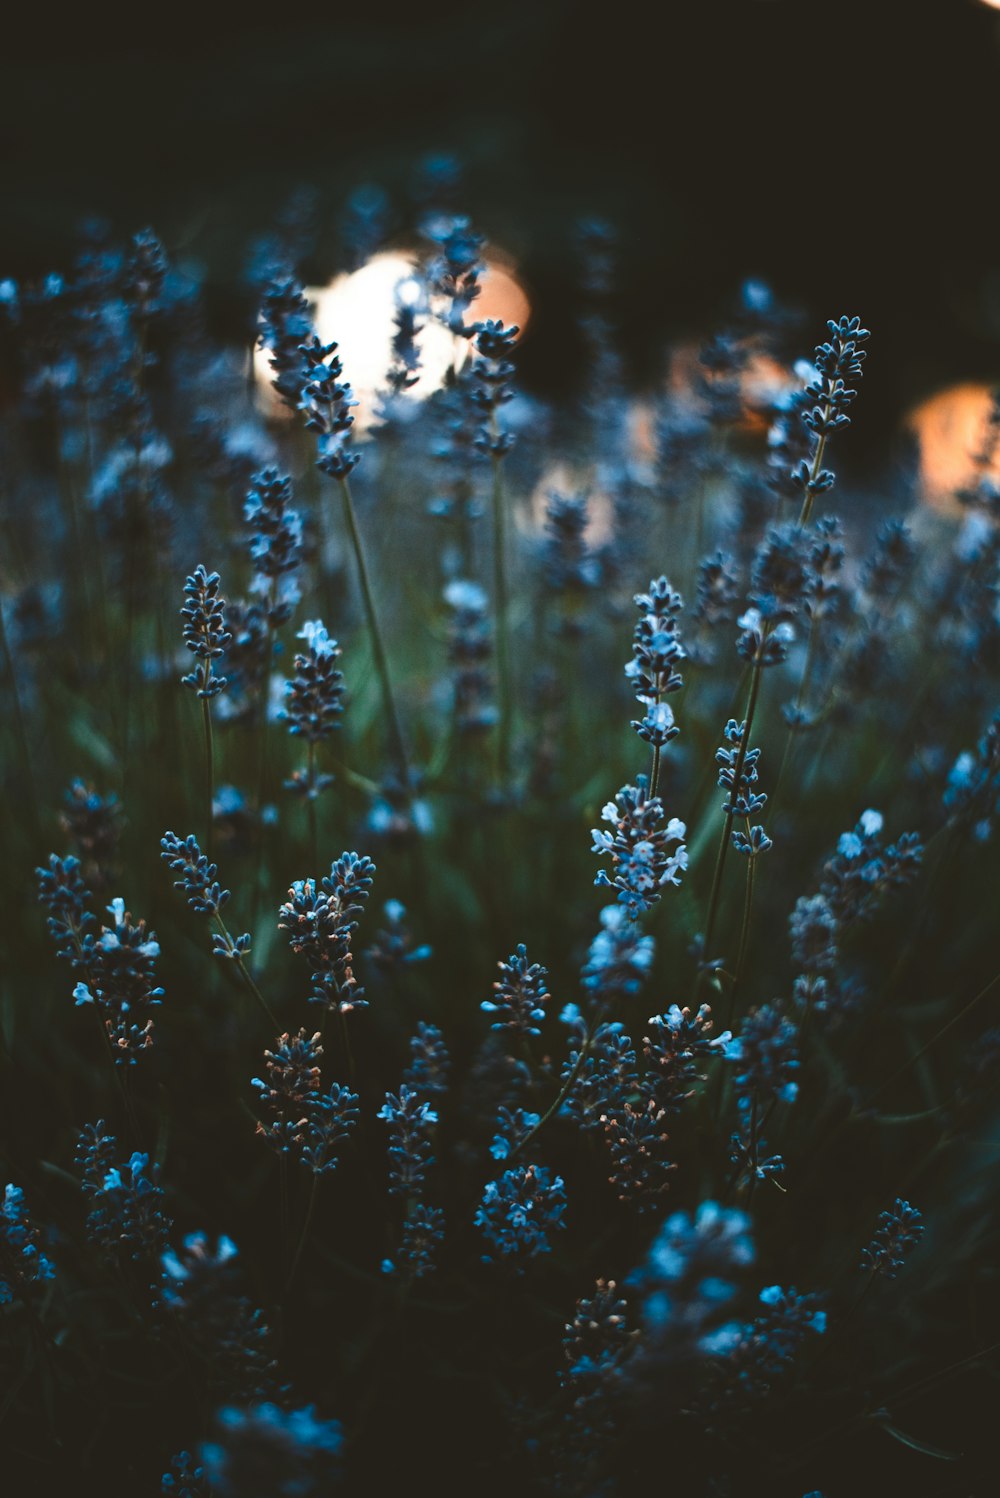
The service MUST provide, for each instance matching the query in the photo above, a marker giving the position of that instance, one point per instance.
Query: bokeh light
(950, 428)
(356, 311)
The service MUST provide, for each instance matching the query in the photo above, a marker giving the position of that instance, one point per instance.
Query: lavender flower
(619, 958)
(513, 1127)
(410, 1123)
(738, 776)
(469, 649)
(423, 1234)
(300, 1119)
(327, 402)
(518, 1212)
(637, 1139)
(276, 545)
(23, 1266)
(677, 1043)
(597, 1345)
(656, 653)
(290, 1090)
(120, 972)
(492, 372)
(285, 325)
(321, 925)
(94, 824)
(520, 993)
(126, 1217)
(269, 1452)
(186, 1478)
(454, 273)
(639, 848)
(899, 1231)
(205, 633)
(765, 1055)
(201, 1295)
(687, 1277)
(394, 947)
(427, 1072)
(315, 702)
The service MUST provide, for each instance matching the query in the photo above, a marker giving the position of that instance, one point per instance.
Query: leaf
(881, 1418)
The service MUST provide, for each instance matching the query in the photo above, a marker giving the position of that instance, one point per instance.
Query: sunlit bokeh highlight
(356, 311)
(950, 427)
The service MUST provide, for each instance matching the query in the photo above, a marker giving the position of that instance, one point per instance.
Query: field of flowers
(500, 964)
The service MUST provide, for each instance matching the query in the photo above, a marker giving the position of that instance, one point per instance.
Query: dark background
(847, 152)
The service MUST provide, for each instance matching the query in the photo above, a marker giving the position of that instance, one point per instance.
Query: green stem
(744, 932)
(311, 808)
(348, 1049)
(902, 1070)
(563, 1094)
(310, 1209)
(794, 730)
(244, 973)
(500, 604)
(378, 649)
(720, 862)
(20, 732)
(206, 713)
(814, 469)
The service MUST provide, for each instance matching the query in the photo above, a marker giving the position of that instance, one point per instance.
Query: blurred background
(843, 153)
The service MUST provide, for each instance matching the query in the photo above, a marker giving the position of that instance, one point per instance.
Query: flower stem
(720, 862)
(500, 604)
(206, 712)
(378, 649)
(306, 1225)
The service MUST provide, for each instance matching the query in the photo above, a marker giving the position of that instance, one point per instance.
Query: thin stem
(244, 973)
(563, 1094)
(348, 1049)
(794, 729)
(119, 1079)
(20, 732)
(262, 765)
(500, 604)
(901, 1071)
(744, 931)
(283, 1209)
(310, 1209)
(720, 862)
(311, 807)
(378, 649)
(206, 713)
(814, 469)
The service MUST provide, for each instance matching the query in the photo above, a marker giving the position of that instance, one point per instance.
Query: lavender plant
(428, 1181)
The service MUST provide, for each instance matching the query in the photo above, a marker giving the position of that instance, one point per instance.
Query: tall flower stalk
(206, 636)
(492, 372)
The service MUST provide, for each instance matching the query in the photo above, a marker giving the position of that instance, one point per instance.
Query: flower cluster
(900, 1229)
(314, 702)
(205, 633)
(327, 402)
(410, 1121)
(656, 653)
(120, 981)
(285, 325)
(469, 649)
(301, 1120)
(23, 1266)
(520, 995)
(321, 924)
(518, 1213)
(640, 847)
(276, 543)
(126, 1218)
